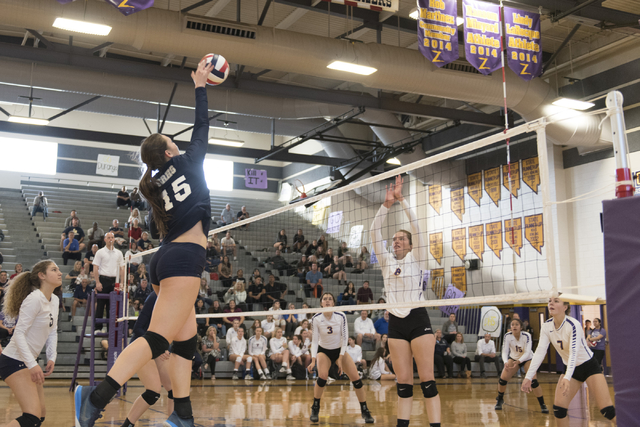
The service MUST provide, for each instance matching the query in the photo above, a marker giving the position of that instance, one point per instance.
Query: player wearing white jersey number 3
(410, 334)
(328, 346)
(566, 335)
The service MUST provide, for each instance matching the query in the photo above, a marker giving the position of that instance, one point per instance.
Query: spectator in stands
(344, 255)
(69, 220)
(17, 269)
(135, 214)
(240, 278)
(238, 295)
(258, 346)
(143, 290)
(486, 352)
(135, 232)
(597, 340)
(314, 282)
(229, 246)
(137, 201)
(337, 271)
(232, 308)
(587, 328)
(238, 354)
(227, 216)
(459, 351)
(133, 249)
(382, 325)
(363, 260)
(202, 322)
(276, 263)
(40, 204)
(280, 352)
(379, 313)
(118, 234)
(213, 256)
(379, 370)
(526, 327)
(302, 326)
(322, 242)
(141, 274)
(90, 255)
(96, 235)
(224, 272)
(299, 242)
(217, 322)
(291, 322)
(365, 294)
(204, 292)
(80, 296)
(7, 327)
(71, 248)
(450, 329)
(211, 350)
(77, 232)
(123, 198)
(144, 243)
(73, 275)
(242, 215)
(278, 318)
(327, 258)
(273, 292)
(268, 326)
(256, 293)
(232, 331)
(254, 326)
(349, 295)
(256, 273)
(355, 351)
(303, 267)
(110, 265)
(443, 356)
(312, 248)
(4, 280)
(281, 241)
(364, 329)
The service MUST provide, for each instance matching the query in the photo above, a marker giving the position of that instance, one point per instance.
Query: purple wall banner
(255, 178)
(482, 35)
(438, 31)
(127, 7)
(524, 53)
(65, 1)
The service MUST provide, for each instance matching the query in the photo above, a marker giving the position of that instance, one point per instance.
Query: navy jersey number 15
(181, 191)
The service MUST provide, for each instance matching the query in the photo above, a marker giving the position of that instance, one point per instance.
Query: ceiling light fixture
(394, 161)
(28, 120)
(574, 104)
(414, 14)
(82, 27)
(226, 142)
(352, 68)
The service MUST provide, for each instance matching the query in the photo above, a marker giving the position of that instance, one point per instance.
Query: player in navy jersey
(176, 189)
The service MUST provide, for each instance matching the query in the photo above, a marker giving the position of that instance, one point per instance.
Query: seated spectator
(349, 295)
(365, 294)
(281, 241)
(322, 242)
(227, 216)
(123, 198)
(256, 273)
(133, 249)
(450, 329)
(291, 322)
(238, 353)
(224, 272)
(298, 355)
(276, 263)
(201, 321)
(302, 326)
(17, 269)
(486, 352)
(69, 220)
(379, 313)
(77, 232)
(120, 242)
(303, 267)
(312, 248)
(258, 346)
(143, 290)
(280, 352)
(379, 370)
(382, 325)
(364, 329)
(240, 277)
(459, 351)
(314, 282)
(229, 246)
(71, 248)
(144, 243)
(213, 256)
(135, 214)
(363, 260)
(344, 255)
(137, 201)
(96, 235)
(232, 330)
(277, 318)
(90, 256)
(73, 275)
(355, 351)
(232, 308)
(216, 322)
(442, 356)
(238, 295)
(135, 232)
(80, 296)
(4, 280)
(242, 215)
(268, 326)
(40, 204)
(324, 258)
(337, 271)
(7, 327)
(273, 292)
(205, 292)
(256, 294)
(211, 350)
(299, 242)
(141, 274)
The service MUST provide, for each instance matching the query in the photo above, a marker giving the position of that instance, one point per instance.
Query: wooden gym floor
(222, 403)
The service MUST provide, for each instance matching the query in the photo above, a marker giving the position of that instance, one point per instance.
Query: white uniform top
(268, 326)
(109, 262)
(278, 345)
(568, 341)
(276, 316)
(363, 326)
(294, 350)
(37, 325)
(238, 346)
(355, 352)
(330, 333)
(231, 334)
(298, 330)
(402, 278)
(519, 350)
(378, 369)
(258, 346)
(306, 346)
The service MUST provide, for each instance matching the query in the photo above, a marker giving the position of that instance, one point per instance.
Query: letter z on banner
(127, 7)
(482, 35)
(438, 31)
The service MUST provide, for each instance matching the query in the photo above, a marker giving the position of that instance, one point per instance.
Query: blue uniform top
(184, 189)
(144, 318)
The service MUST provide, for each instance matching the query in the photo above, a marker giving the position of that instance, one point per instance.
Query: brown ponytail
(152, 155)
(22, 285)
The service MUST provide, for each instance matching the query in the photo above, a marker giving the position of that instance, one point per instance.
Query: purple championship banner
(438, 31)
(128, 7)
(482, 35)
(523, 42)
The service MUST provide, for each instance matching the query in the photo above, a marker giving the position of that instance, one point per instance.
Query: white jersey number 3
(181, 191)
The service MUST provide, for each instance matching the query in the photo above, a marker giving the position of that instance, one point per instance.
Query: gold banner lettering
(515, 178)
(457, 202)
(459, 241)
(533, 231)
(531, 173)
(435, 197)
(494, 237)
(474, 187)
(437, 282)
(513, 237)
(436, 246)
(476, 240)
(492, 184)
(459, 278)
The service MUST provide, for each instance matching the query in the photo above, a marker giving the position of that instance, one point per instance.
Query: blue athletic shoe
(86, 413)
(175, 421)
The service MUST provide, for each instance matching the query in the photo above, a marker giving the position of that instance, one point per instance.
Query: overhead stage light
(352, 68)
(574, 104)
(28, 120)
(82, 27)
(394, 161)
(226, 142)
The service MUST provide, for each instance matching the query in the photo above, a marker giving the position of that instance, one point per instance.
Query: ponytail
(152, 155)
(22, 285)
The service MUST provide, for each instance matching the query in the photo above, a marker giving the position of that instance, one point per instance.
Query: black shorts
(177, 260)
(415, 325)
(332, 354)
(584, 371)
(9, 366)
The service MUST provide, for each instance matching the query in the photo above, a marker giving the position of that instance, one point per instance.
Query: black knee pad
(609, 412)
(157, 343)
(559, 411)
(502, 382)
(405, 390)
(185, 349)
(535, 384)
(28, 420)
(170, 394)
(151, 397)
(321, 382)
(429, 389)
(357, 384)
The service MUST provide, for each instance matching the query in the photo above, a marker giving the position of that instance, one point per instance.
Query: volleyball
(220, 70)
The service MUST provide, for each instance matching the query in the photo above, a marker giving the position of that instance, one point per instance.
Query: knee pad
(170, 394)
(559, 412)
(239, 359)
(609, 412)
(535, 384)
(357, 384)
(157, 343)
(249, 359)
(185, 349)
(150, 396)
(321, 382)
(429, 389)
(405, 390)
(502, 382)
(28, 420)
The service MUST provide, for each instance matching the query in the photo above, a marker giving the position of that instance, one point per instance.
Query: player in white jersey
(30, 298)
(410, 334)
(566, 335)
(295, 352)
(516, 352)
(378, 369)
(355, 351)
(258, 346)
(328, 346)
(238, 355)
(280, 353)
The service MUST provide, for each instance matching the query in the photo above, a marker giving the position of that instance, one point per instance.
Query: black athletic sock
(363, 406)
(541, 400)
(316, 402)
(41, 420)
(500, 396)
(434, 425)
(403, 423)
(182, 407)
(127, 423)
(104, 392)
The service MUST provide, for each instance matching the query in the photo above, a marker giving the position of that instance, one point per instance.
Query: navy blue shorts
(9, 366)
(177, 260)
(416, 324)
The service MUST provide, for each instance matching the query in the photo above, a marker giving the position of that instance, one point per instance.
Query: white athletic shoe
(291, 377)
(283, 370)
(262, 377)
(235, 376)
(248, 377)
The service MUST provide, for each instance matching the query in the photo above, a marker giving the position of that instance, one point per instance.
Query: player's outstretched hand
(389, 198)
(200, 75)
(526, 386)
(397, 192)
